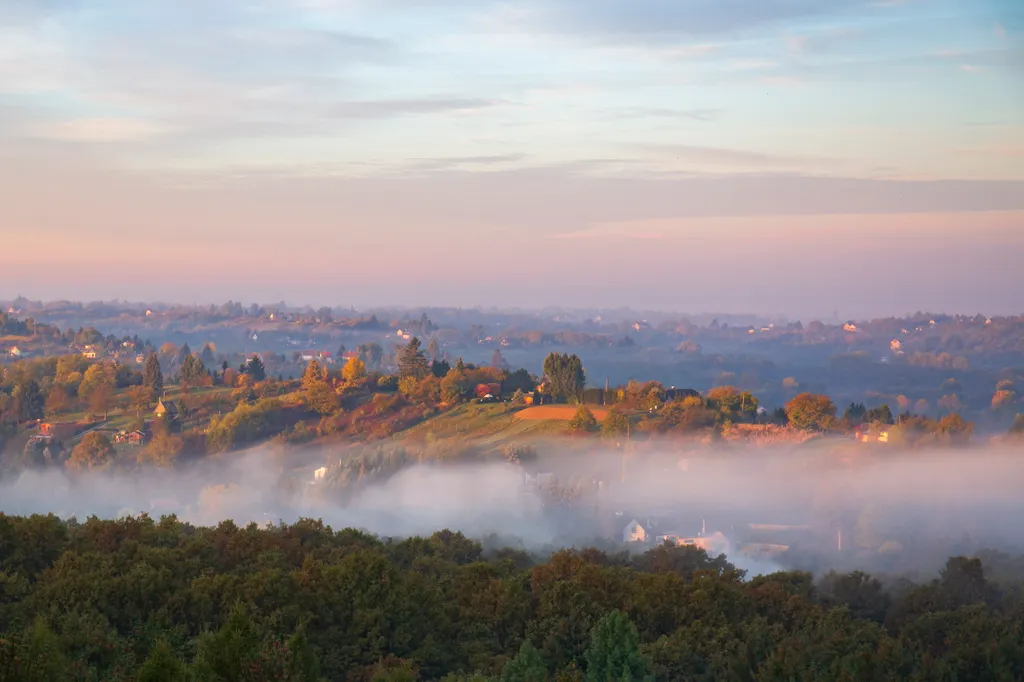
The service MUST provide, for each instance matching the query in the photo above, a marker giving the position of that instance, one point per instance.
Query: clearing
(557, 412)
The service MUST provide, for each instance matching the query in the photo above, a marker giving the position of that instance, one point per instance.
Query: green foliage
(245, 424)
(566, 376)
(192, 370)
(162, 665)
(256, 369)
(527, 666)
(153, 376)
(614, 653)
(144, 600)
(28, 401)
(412, 362)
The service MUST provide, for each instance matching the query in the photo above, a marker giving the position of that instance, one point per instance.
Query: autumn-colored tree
(811, 412)
(615, 424)
(322, 398)
(93, 452)
(57, 401)
(956, 428)
(354, 371)
(583, 421)
(314, 374)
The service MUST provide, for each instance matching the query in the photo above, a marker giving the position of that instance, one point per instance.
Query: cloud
(669, 20)
(704, 115)
(377, 109)
(724, 156)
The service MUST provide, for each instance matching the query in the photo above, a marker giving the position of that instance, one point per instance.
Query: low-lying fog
(905, 511)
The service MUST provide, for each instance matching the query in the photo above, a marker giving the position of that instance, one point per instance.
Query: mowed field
(557, 412)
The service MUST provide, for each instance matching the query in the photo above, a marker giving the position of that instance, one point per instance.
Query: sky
(768, 156)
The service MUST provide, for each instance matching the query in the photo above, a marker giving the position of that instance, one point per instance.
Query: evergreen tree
(152, 375)
(412, 362)
(566, 376)
(433, 351)
(498, 360)
(614, 652)
(256, 369)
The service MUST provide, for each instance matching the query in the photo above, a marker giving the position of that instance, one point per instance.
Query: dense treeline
(138, 599)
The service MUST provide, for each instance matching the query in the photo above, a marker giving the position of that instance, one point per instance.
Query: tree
(322, 398)
(28, 402)
(313, 375)
(163, 450)
(371, 353)
(153, 376)
(566, 376)
(354, 371)
(57, 401)
(412, 362)
(526, 666)
(162, 665)
(256, 369)
(615, 424)
(193, 372)
(583, 421)
(498, 360)
(433, 350)
(93, 452)
(614, 652)
(956, 428)
(811, 412)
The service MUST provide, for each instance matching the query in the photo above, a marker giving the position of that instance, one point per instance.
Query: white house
(14, 352)
(634, 532)
(319, 474)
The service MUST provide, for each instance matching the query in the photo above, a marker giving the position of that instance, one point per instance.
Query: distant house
(713, 544)
(319, 474)
(140, 359)
(89, 352)
(15, 352)
(166, 410)
(135, 438)
(680, 394)
(850, 327)
(634, 532)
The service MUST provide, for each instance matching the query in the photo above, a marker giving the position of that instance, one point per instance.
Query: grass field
(557, 413)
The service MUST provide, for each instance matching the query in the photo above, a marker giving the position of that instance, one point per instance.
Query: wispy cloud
(378, 109)
(724, 156)
(703, 115)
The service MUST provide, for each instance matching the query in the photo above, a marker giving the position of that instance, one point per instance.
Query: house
(135, 438)
(850, 327)
(89, 352)
(895, 345)
(140, 359)
(319, 474)
(15, 352)
(634, 532)
(713, 544)
(166, 410)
